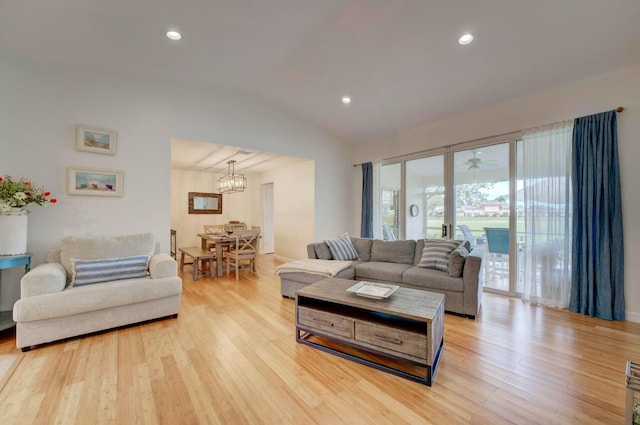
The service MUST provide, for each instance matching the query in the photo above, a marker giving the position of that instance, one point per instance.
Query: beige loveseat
(397, 262)
(51, 308)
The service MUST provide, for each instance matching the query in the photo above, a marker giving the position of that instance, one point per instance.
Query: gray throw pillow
(322, 251)
(456, 261)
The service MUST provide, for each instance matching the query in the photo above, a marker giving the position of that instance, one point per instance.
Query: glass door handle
(446, 231)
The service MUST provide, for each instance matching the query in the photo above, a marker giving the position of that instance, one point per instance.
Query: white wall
(235, 206)
(294, 206)
(40, 108)
(585, 97)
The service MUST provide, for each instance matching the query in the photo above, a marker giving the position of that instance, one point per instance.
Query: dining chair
(213, 228)
(243, 252)
(210, 229)
(234, 226)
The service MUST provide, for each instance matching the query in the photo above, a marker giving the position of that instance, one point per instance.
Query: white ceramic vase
(13, 232)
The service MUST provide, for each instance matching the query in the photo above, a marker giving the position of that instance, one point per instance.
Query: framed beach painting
(94, 182)
(97, 140)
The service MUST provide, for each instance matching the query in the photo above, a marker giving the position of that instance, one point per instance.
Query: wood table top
(405, 302)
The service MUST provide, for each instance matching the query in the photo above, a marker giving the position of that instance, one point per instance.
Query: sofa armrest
(473, 280)
(162, 265)
(46, 278)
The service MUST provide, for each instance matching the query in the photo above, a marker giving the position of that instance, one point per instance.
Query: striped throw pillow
(342, 249)
(86, 272)
(435, 254)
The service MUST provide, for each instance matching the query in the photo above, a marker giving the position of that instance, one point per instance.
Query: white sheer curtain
(546, 178)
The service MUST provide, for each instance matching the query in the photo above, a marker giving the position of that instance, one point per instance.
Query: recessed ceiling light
(465, 39)
(346, 100)
(174, 35)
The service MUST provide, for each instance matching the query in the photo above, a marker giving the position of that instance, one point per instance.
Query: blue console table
(8, 262)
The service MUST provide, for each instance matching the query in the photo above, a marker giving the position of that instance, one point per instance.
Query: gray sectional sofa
(397, 262)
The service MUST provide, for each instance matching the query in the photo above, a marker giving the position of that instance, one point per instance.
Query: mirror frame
(193, 195)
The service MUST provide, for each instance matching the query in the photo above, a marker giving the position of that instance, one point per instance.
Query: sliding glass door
(390, 186)
(424, 197)
(482, 210)
(464, 192)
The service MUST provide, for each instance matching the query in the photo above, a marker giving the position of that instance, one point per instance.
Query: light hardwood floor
(231, 358)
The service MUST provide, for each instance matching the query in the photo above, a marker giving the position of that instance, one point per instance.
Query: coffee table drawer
(400, 341)
(328, 322)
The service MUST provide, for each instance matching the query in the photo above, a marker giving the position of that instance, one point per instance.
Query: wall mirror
(205, 203)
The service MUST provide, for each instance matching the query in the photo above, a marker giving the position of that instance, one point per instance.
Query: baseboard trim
(281, 258)
(632, 317)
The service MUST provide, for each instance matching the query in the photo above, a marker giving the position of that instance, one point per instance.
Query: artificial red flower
(53, 200)
(21, 193)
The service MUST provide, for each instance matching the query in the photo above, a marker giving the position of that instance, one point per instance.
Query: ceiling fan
(474, 162)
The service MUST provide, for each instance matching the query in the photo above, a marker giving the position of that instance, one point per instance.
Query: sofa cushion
(402, 252)
(342, 248)
(380, 271)
(322, 251)
(456, 261)
(96, 247)
(418, 254)
(100, 296)
(87, 272)
(432, 279)
(435, 254)
(363, 246)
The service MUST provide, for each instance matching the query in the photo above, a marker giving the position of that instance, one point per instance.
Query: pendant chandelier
(232, 182)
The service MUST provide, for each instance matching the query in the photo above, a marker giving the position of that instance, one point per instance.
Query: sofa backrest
(98, 247)
(321, 250)
(363, 247)
(402, 252)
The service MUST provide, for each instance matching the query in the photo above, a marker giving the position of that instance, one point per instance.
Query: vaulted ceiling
(399, 60)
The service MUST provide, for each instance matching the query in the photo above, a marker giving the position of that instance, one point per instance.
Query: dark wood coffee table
(407, 328)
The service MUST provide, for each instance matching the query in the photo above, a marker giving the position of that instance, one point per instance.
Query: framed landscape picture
(94, 182)
(97, 140)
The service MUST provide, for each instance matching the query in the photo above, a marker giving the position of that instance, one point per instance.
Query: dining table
(220, 240)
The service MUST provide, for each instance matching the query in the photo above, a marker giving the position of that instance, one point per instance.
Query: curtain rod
(618, 109)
